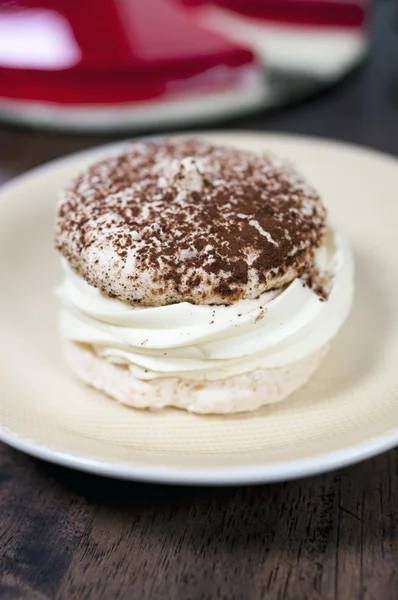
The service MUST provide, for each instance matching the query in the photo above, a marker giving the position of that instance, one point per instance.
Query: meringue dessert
(201, 277)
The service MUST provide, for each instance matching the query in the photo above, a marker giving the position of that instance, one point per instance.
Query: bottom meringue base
(239, 393)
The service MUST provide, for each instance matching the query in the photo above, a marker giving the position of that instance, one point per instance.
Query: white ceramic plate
(348, 412)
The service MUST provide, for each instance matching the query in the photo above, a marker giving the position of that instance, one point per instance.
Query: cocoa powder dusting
(185, 220)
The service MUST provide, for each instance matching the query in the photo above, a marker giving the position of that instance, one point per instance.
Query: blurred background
(76, 74)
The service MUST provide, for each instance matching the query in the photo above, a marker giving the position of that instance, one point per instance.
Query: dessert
(312, 38)
(197, 276)
(116, 64)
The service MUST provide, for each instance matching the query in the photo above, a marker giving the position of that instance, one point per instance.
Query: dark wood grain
(66, 535)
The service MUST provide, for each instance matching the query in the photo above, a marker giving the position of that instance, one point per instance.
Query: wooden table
(67, 535)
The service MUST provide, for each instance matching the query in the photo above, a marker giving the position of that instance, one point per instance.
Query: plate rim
(217, 477)
(248, 474)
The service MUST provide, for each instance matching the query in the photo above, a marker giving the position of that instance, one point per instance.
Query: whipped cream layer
(211, 342)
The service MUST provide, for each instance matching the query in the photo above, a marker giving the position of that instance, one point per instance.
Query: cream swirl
(211, 342)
